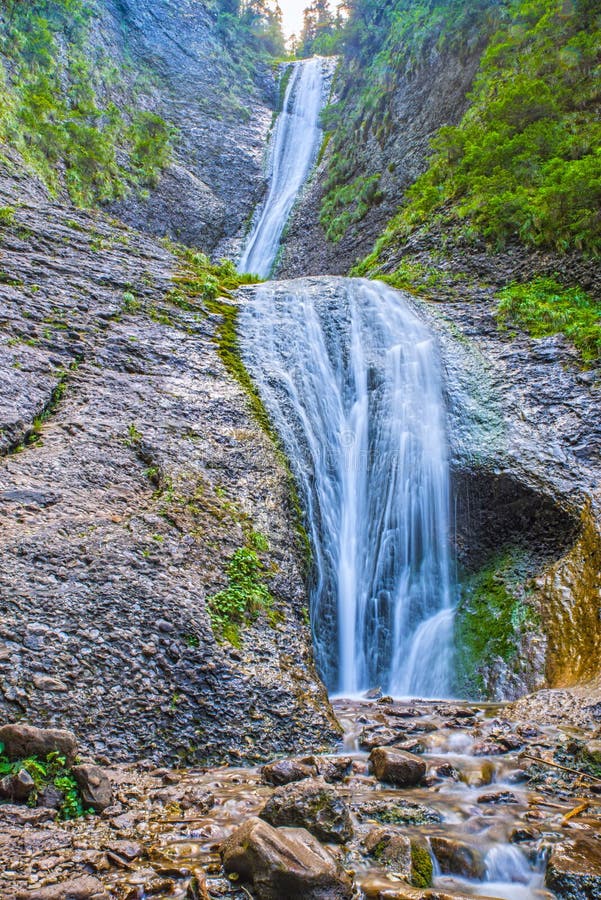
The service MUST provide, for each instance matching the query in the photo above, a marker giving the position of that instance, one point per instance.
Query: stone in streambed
(21, 741)
(574, 869)
(286, 771)
(310, 804)
(391, 849)
(331, 768)
(84, 888)
(457, 858)
(397, 767)
(284, 862)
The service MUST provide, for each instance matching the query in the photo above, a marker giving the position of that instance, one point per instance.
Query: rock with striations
(21, 741)
(286, 771)
(284, 862)
(310, 804)
(397, 766)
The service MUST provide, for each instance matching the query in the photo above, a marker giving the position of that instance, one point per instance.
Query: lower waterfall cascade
(354, 390)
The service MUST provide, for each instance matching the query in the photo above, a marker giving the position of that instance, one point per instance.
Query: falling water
(350, 377)
(294, 147)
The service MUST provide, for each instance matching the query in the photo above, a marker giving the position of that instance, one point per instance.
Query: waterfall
(350, 377)
(293, 150)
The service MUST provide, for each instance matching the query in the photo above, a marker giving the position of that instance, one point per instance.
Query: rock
(17, 787)
(488, 748)
(391, 849)
(95, 786)
(286, 771)
(310, 804)
(45, 683)
(331, 768)
(574, 869)
(284, 863)
(22, 815)
(593, 751)
(84, 888)
(21, 741)
(396, 812)
(457, 858)
(498, 797)
(397, 767)
(50, 797)
(520, 834)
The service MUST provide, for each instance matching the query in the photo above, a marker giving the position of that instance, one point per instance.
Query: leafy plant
(245, 596)
(52, 770)
(544, 307)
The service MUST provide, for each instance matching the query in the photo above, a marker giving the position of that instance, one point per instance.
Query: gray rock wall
(141, 473)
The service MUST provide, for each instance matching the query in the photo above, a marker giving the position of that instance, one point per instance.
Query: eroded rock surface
(132, 471)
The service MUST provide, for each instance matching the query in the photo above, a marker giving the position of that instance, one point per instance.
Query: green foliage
(422, 867)
(246, 594)
(56, 112)
(381, 43)
(525, 162)
(7, 216)
(543, 307)
(489, 622)
(50, 771)
(346, 204)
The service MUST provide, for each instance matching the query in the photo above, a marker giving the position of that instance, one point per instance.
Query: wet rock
(574, 869)
(593, 751)
(21, 741)
(22, 815)
(446, 770)
(95, 787)
(284, 862)
(286, 771)
(17, 787)
(521, 834)
(331, 768)
(310, 804)
(391, 849)
(488, 748)
(85, 888)
(498, 797)
(397, 767)
(396, 812)
(457, 858)
(371, 738)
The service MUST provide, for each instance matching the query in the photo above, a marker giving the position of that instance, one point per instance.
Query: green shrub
(543, 307)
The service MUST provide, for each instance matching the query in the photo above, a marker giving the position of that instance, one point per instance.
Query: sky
(293, 15)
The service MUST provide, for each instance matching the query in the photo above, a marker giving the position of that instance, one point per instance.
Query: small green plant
(246, 595)
(130, 304)
(52, 770)
(192, 640)
(7, 216)
(134, 436)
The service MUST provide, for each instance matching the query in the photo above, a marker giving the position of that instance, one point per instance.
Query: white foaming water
(350, 378)
(293, 150)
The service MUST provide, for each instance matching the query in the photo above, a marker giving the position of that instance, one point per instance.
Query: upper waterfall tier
(350, 377)
(292, 153)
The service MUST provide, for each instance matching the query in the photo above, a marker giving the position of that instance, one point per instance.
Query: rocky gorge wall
(132, 470)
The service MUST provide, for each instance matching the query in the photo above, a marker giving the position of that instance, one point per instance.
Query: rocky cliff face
(425, 99)
(131, 471)
(221, 110)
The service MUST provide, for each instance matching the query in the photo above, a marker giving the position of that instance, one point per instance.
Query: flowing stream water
(351, 380)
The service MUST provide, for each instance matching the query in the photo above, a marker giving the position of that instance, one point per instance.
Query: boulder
(17, 787)
(95, 786)
(397, 766)
(391, 849)
(457, 858)
(574, 869)
(284, 862)
(286, 771)
(331, 768)
(21, 741)
(310, 804)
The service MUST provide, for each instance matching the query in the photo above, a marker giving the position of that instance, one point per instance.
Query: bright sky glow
(292, 11)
